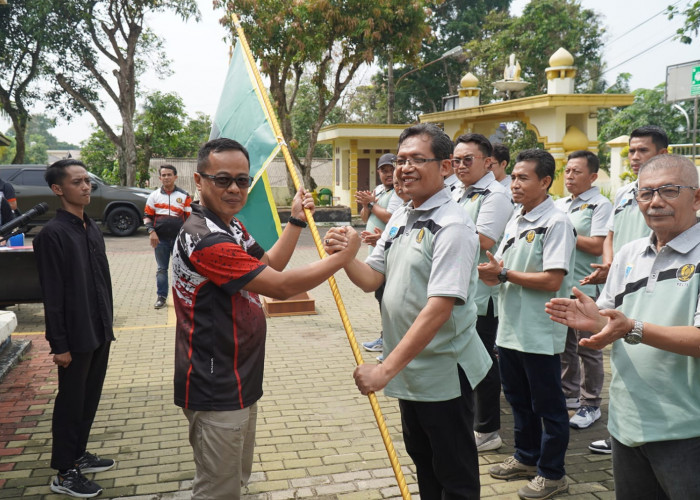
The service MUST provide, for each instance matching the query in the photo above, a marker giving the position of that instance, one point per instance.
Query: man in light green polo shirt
(649, 311)
(533, 260)
(433, 357)
(582, 372)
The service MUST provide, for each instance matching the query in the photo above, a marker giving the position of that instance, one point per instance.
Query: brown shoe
(512, 469)
(540, 488)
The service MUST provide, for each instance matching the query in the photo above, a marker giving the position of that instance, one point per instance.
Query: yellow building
(562, 121)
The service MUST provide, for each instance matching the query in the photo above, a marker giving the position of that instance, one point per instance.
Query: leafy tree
(195, 133)
(454, 23)
(327, 41)
(112, 32)
(100, 156)
(691, 25)
(28, 29)
(543, 27)
(649, 108)
(158, 128)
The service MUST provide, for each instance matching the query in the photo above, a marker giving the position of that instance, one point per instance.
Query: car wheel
(123, 221)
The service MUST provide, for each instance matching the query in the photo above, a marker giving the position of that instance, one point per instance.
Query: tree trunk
(19, 123)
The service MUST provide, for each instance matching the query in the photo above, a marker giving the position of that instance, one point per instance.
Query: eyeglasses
(466, 161)
(224, 181)
(667, 192)
(414, 162)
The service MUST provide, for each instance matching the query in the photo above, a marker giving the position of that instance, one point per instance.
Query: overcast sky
(200, 57)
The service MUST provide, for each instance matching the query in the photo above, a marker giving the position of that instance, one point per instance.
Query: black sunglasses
(224, 181)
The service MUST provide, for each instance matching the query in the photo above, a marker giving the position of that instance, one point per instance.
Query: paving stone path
(317, 436)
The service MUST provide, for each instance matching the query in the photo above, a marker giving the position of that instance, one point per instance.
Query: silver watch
(634, 336)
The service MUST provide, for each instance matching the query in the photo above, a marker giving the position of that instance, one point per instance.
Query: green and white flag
(242, 116)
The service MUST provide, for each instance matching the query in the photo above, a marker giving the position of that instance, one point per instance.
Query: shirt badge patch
(584, 206)
(685, 273)
(628, 270)
(530, 236)
(475, 197)
(393, 231)
(421, 233)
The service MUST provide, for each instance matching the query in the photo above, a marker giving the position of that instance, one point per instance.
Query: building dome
(468, 81)
(561, 57)
(574, 139)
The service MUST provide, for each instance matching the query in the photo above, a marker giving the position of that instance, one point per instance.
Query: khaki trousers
(222, 445)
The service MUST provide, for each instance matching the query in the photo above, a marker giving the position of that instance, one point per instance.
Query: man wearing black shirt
(77, 295)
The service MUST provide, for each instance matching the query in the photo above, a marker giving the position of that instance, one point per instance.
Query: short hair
(56, 172)
(544, 162)
(440, 142)
(501, 153)
(169, 167)
(218, 146)
(591, 159)
(688, 172)
(657, 134)
(481, 142)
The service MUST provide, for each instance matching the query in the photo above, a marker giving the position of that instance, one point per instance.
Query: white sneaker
(584, 417)
(487, 441)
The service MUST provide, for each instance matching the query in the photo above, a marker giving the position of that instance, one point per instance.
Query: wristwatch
(503, 275)
(370, 205)
(634, 336)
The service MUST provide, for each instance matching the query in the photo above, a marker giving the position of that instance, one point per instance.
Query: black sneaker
(160, 303)
(74, 484)
(92, 463)
(602, 446)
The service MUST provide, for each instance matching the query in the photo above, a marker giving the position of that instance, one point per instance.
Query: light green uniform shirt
(541, 240)
(431, 251)
(490, 207)
(655, 394)
(589, 212)
(627, 221)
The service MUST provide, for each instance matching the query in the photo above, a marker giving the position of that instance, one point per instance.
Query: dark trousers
(487, 395)
(79, 391)
(659, 470)
(532, 386)
(439, 439)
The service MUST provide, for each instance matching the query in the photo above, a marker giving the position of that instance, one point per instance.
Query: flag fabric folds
(241, 115)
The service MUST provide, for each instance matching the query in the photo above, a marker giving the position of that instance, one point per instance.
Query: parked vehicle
(119, 208)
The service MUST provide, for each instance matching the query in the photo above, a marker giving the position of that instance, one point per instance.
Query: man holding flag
(218, 272)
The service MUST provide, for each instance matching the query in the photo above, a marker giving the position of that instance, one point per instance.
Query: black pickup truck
(119, 208)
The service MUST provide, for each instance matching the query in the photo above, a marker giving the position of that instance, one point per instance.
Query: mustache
(656, 213)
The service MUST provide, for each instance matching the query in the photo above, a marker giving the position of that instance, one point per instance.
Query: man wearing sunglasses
(218, 272)
(490, 207)
(649, 311)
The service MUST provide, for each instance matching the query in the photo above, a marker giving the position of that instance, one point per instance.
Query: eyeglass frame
(658, 191)
(414, 162)
(231, 180)
(456, 162)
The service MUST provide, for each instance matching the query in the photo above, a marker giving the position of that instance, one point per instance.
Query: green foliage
(28, 29)
(100, 156)
(326, 41)
(109, 48)
(691, 24)
(454, 23)
(303, 116)
(543, 27)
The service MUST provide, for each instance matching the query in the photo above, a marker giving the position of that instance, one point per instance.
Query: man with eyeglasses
(489, 206)
(534, 260)
(427, 257)
(218, 272)
(649, 311)
(626, 222)
(166, 210)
